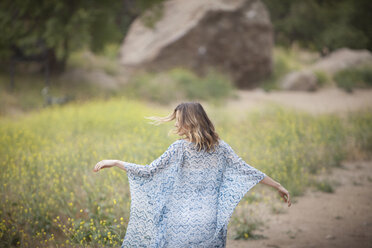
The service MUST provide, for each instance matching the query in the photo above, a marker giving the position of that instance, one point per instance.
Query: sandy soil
(317, 219)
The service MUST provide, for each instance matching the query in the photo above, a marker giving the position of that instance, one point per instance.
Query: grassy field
(50, 197)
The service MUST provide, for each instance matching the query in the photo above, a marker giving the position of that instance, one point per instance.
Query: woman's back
(186, 197)
(193, 217)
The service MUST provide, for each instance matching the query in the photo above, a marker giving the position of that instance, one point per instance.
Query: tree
(322, 25)
(51, 29)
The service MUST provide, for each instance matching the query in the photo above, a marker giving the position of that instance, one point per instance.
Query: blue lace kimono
(185, 198)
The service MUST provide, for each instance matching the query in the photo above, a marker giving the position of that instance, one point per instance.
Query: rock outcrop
(342, 59)
(306, 79)
(231, 36)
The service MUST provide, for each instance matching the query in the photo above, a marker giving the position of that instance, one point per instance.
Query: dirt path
(327, 100)
(342, 219)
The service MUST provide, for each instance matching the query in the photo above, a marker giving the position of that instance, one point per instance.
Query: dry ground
(327, 100)
(342, 219)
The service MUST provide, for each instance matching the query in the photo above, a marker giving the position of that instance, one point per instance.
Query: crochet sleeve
(150, 187)
(237, 179)
(240, 171)
(147, 171)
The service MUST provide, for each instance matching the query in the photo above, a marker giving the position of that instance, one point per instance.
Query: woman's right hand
(285, 195)
(104, 164)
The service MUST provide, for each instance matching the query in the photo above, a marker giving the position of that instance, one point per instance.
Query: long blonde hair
(193, 123)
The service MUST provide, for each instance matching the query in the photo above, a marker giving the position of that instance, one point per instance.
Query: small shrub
(324, 186)
(153, 15)
(322, 77)
(360, 77)
(245, 228)
(277, 209)
(111, 51)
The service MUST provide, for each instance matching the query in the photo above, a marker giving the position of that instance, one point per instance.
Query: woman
(186, 197)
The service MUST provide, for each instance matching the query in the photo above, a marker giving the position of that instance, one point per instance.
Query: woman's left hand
(104, 164)
(285, 195)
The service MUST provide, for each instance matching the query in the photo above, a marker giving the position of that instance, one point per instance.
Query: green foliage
(64, 27)
(359, 129)
(154, 14)
(110, 51)
(360, 77)
(322, 78)
(322, 24)
(299, 149)
(324, 186)
(27, 96)
(88, 61)
(285, 60)
(179, 83)
(245, 228)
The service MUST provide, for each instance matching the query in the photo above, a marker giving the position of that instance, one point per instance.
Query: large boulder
(305, 80)
(232, 36)
(342, 59)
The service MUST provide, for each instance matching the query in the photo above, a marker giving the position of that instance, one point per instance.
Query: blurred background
(91, 49)
(286, 83)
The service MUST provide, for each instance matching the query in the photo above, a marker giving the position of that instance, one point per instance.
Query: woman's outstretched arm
(120, 164)
(282, 191)
(108, 163)
(143, 170)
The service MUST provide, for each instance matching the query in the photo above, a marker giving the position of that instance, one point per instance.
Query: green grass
(47, 157)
